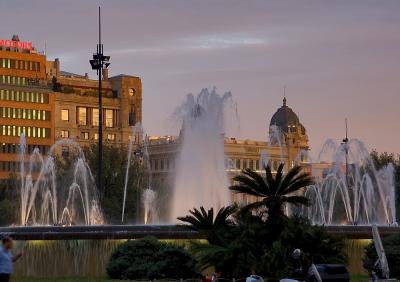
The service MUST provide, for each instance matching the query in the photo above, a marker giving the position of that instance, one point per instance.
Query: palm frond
(247, 184)
(199, 219)
(291, 174)
(239, 189)
(278, 177)
(224, 214)
(258, 179)
(269, 178)
(302, 180)
(253, 181)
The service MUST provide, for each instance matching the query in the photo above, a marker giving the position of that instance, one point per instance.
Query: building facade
(77, 113)
(288, 139)
(26, 103)
(45, 104)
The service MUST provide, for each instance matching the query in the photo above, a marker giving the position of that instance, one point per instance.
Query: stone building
(288, 139)
(45, 103)
(76, 106)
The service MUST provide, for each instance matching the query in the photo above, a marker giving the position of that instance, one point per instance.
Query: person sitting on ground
(7, 259)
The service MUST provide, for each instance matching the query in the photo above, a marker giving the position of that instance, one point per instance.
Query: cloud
(197, 43)
(223, 41)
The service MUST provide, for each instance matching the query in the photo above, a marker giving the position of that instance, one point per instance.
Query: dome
(285, 117)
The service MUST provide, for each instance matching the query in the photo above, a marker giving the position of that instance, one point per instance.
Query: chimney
(105, 74)
(57, 66)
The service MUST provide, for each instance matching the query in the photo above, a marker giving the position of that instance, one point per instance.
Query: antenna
(99, 25)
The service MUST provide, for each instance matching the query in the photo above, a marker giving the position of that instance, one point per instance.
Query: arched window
(132, 92)
(132, 116)
(132, 112)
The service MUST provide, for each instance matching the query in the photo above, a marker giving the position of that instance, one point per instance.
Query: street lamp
(98, 63)
(346, 151)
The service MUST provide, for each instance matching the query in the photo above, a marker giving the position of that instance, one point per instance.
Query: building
(76, 106)
(46, 104)
(288, 139)
(26, 102)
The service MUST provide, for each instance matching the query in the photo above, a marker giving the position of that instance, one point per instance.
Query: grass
(354, 278)
(78, 279)
(360, 278)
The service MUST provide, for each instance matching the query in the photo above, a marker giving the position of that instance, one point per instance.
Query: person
(254, 278)
(7, 259)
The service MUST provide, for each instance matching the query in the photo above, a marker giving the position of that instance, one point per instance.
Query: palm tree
(273, 192)
(214, 229)
(227, 251)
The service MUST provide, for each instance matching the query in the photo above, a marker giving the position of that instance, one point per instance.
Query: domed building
(287, 142)
(286, 130)
(286, 119)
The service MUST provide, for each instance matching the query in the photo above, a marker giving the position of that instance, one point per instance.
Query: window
(132, 116)
(82, 116)
(111, 137)
(95, 117)
(65, 151)
(64, 134)
(14, 130)
(22, 96)
(85, 135)
(65, 115)
(96, 136)
(109, 118)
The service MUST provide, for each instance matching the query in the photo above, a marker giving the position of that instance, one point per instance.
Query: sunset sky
(337, 58)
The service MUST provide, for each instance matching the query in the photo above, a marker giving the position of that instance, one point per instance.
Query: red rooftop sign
(16, 44)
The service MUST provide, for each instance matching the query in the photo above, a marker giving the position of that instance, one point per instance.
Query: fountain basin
(110, 232)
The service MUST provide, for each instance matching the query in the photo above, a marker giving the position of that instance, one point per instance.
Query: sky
(338, 59)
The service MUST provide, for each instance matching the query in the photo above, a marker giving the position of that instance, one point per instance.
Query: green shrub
(392, 249)
(68, 90)
(149, 258)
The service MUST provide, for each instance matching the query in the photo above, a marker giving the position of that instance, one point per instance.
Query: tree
(115, 160)
(148, 258)
(241, 240)
(229, 256)
(273, 191)
(391, 246)
(9, 190)
(214, 229)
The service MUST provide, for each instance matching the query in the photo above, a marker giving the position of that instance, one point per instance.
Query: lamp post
(98, 63)
(346, 150)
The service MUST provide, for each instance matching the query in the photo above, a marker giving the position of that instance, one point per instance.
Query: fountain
(149, 205)
(276, 139)
(349, 189)
(149, 196)
(201, 179)
(51, 195)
